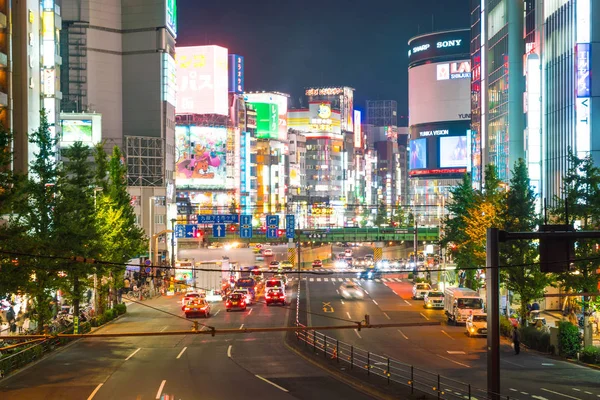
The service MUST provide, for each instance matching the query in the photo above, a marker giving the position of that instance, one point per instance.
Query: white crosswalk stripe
(377, 280)
(311, 279)
(326, 279)
(318, 279)
(397, 280)
(340, 280)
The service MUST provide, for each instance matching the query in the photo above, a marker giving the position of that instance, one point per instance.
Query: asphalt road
(444, 350)
(179, 367)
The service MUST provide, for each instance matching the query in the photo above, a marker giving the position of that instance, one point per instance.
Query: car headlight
(359, 293)
(370, 274)
(344, 293)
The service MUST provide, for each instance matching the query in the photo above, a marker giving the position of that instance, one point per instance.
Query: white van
(460, 303)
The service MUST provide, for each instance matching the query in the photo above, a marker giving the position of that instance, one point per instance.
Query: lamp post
(150, 228)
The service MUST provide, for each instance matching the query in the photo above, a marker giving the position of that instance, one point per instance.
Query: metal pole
(469, 391)
(412, 379)
(351, 357)
(337, 350)
(439, 389)
(173, 243)
(493, 313)
(314, 341)
(388, 371)
(416, 248)
(368, 363)
(325, 347)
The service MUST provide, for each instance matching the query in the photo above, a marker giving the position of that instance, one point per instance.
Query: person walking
(516, 337)
(11, 318)
(19, 322)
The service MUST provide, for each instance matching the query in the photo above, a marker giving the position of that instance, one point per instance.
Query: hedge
(535, 338)
(506, 327)
(108, 315)
(590, 355)
(569, 339)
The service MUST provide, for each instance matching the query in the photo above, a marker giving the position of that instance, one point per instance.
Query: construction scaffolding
(145, 161)
(382, 113)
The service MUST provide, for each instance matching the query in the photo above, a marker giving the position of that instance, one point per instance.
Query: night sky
(292, 44)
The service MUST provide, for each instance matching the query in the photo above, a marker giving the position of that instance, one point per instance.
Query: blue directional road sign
(246, 226)
(218, 218)
(190, 231)
(290, 224)
(219, 230)
(179, 231)
(272, 226)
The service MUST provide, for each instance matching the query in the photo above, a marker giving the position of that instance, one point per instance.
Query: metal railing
(390, 370)
(18, 360)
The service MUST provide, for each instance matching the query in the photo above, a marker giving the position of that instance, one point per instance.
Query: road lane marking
(525, 393)
(272, 383)
(133, 354)
(318, 279)
(311, 279)
(586, 392)
(325, 279)
(337, 291)
(357, 334)
(375, 302)
(333, 281)
(366, 291)
(446, 333)
(397, 280)
(164, 329)
(218, 311)
(455, 362)
(406, 301)
(340, 279)
(538, 397)
(510, 362)
(514, 390)
(424, 316)
(229, 351)
(560, 394)
(547, 364)
(378, 280)
(342, 301)
(402, 333)
(348, 314)
(95, 391)
(160, 389)
(577, 390)
(181, 352)
(456, 352)
(249, 312)
(387, 316)
(241, 326)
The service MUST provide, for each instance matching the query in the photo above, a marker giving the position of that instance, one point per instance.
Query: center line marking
(249, 312)
(445, 333)
(181, 353)
(164, 329)
(348, 314)
(133, 354)
(403, 335)
(406, 301)
(455, 352)
(455, 362)
(375, 302)
(272, 383)
(424, 316)
(95, 391)
(560, 394)
(357, 334)
(217, 312)
(160, 389)
(387, 316)
(229, 350)
(241, 326)
(366, 292)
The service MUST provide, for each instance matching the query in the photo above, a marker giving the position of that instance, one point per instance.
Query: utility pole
(416, 248)
(492, 280)
(173, 242)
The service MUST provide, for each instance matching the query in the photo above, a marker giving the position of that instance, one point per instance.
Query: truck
(210, 276)
(460, 303)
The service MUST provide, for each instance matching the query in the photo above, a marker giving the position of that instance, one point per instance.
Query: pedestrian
(516, 337)
(19, 322)
(11, 318)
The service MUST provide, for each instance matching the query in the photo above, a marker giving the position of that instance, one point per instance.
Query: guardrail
(15, 361)
(390, 370)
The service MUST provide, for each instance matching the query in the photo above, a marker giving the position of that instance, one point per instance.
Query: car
(351, 290)
(476, 325)
(348, 252)
(360, 262)
(188, 297)
(259, 258)
(286, 265)
(197, 307)
(274, 283)
(369, 273)
(267, 252)
(340, 264)
(235, 301)
(274, 265)
(275, 295)
(433, 299)
(281, 277)
(341, 256)
(420, 290)
(246, 293)
(317, 263)
(383, 264)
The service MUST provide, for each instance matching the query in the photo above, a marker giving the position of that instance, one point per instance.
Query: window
(159, 219)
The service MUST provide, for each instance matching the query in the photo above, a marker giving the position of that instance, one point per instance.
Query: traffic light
(232, 228)
(198, 234)
(279, 232)
(556, 253)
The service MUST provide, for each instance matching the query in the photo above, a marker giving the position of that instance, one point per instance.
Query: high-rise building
(118, 60)
(439, 105)
(31, 66)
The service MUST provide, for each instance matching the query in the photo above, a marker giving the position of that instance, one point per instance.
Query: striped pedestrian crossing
(333, 279)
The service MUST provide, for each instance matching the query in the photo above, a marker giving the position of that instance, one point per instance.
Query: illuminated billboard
(267, 120)
(80, 127)
(443, 44)
(202, 81)
(236, 74)
(347, 110)
(295, 180)
(454, 70)
(281, 100)
(418, 154)
(453, 151)
(583, 70)
(171, 16)
(357, 130)
(201, 154)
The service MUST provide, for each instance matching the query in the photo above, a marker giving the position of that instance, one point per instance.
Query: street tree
(518, 214)
(381, 218)
(399, 216)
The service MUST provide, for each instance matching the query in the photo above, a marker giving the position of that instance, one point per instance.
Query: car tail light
(268, 296)
(228, 303)
(242, 303)
(187, 308)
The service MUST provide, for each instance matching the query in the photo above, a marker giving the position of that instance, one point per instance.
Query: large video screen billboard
(418, 154)
(83, 127)
(281, 101)
(201, 154)
(202, 80)
(453, 151)
(439, 92)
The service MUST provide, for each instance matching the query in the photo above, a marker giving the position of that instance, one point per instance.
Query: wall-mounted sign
(436, 45)
(453, 70)
(583, 68)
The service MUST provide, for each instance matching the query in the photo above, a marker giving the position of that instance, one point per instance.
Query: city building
(439, 104)
(118, 61)
(327, 123)
(31, 63)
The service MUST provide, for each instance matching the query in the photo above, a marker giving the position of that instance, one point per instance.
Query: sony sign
(449, 43)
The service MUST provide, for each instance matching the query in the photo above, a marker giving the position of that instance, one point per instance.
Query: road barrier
(390, 370)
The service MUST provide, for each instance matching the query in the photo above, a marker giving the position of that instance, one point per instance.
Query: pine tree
(519, 215)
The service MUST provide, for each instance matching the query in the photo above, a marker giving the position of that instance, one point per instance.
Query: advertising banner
(171, 16)
(418, 154)
(77, 130)
(236, 74)
(453, 151)
(295, 175)
(202, 81)
(281, 101)
(347, 110)
(201, 154)
(442, 44)
(583, 70)
(267, 120)
(358, 139)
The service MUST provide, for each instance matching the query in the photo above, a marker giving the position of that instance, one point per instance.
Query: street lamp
(150, 228)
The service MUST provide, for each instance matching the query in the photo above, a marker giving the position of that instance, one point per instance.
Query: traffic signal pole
(492, 280)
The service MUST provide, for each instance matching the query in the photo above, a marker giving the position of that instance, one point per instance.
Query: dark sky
(292, 44)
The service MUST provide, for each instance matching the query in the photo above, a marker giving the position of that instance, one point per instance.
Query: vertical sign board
(583, 92)
(219, 230)
(290, 225)
(246, 226)
(171, 16)
(179, 231)
(272, 226)
(236, 74)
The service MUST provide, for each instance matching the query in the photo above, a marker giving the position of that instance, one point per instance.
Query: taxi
(197, 307)
(235, 301)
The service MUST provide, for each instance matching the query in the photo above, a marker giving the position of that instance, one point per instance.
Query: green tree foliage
(519, 215)
(382, 215)
(399, 216)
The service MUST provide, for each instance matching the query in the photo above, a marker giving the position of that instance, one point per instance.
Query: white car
(348, 252)
(477, 325)
(339, 264)
(274, 265)
(246, 293)
(433, 299)
(267, 252)
(350, 290)
(420, 290)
